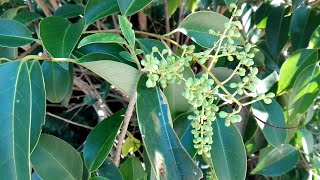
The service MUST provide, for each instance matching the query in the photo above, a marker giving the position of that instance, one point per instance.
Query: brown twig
(68, 121)
(167, 18)
(127, 117)
(54, 4)
(33, 47)
(314, 3)
(44, 8)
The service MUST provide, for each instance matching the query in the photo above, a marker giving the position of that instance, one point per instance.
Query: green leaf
(277, 29)
(98, 178)
(198, 24)
(173, 92)
(169, 160)
(57, 81)
(100, 140)
(315, 39)
(54, 159)
(131, 144)
(126, 55)
(126, 28)
(132, 169)
(228, 2)
(67, 97)
(182, 127)
(10, 13)
(109, 170)
(305, 91)
(147, 44)
(102, 38)
(38, 107)
(307, 140)
(59, 36)
(14, 34)
(97, 57)
(10, 53)
(267, 83)
(121, 75)
(15, 118)
(129, 7)
(293, 66)
(27, 17)
(69, 11)
(173, 6)
(277, 161)
(304, 21)
(97, 9)
(271, 114)
(228, 154)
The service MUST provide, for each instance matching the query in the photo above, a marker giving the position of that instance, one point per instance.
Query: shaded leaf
(109, 170)
(307, 140)
(102, 38)
(69, 11)
(126, 28)
(97, 9)
(132, 169)
(26, 17)
(129, 7)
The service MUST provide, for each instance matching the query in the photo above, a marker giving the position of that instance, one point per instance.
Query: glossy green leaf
(102, 38)
(100, 140)
(121, 75)
(54, 159)
(26, 17)
(99, 178)
(198, 24)
(304, 21)
(38, 107)
(169, 160)
(277, 30)
(127, 31)
(59, 36)
(97, 57)
(57, 80)
(97, 9)
(109, 170)
(296, 4)
(126, 55)
(132, 169)
(173, 92)
(277, 161)
(67, 97)
(267, 83)
(129, 7)
(182, 127)
(9, 14)
(9, 53)
(307, 140)
(147, 44)
(14, 34)
(173, 6)
(15, 118)
(69, 11)
(315, 39)
(305, 91)
(271, 114)
(228, 154)
(293, 66)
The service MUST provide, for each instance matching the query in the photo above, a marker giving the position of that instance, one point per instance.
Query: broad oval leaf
(38, 107)
(198, 24)
(102, 38)
(173, 6)
(69, 11)
(60, 36)
(127, 31)
(307, 140)
(121, 75)
(315, 39)
(26, 17)
(100, 141)
(97, 9)
(109, 170)
(132, 169)
(277, 161)
(14, 34)
(129, 7)
(228, 153)
(169, 160)
(15, 118)
(147, 44)
(57, 80)
(271, 114)
(277, 30)
(54, 159)
(293, 66)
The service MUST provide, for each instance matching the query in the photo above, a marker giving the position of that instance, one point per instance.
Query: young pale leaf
(121, 75)
(57, 81)
(132, 169)
(305, 91)
(59, 36)
(315, 39)
(97, 9)
(14, 34)
(100, 140)
(131, 144)
(10, 13)
(173, 6)
(277, 30)
(126, 28)
(38, 108)
(26, 17)
(169, 160)
(198, 24)
(277, 161)
(15, 118)
(293, 66)
(69, 11)
(129, 7)
(102, 38)
(54, 159)
(109, 170)
(271, 114)
(228, 163)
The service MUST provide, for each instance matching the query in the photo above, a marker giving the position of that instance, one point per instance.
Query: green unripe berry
(210, 82)
(223, 114)
(250, 55)
(245, 79)
(149, 83)
(231, 32)
(267, 100)
(230, 40)
(270, 95)
(238, 13)
(168, 76)
(202, 60)
(247, 47)
(233, 6)
(227, 123)
(184, 46)
(227, 25)
(240, 84)
(233, 85)
(250, 62)
(230, 58)
(211, 31)
(155, 77)
(155, 49)
(254, 71)
(240, 91)
(233, 119)
(261, 96)
(189, 82)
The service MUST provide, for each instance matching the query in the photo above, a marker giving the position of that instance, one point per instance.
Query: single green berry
(149, 83)
(231, 32)
(155, 49)
(223, 114)
(227, 25)
(238, 13)
(233, 6)
(233, 85)
(230, 58)
(143, 62)
(270, 95)
(267, 100)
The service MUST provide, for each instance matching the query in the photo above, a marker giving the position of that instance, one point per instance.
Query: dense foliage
(162, 89)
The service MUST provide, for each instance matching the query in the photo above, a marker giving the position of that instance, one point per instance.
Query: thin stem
(68, 121)
(232, 74)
